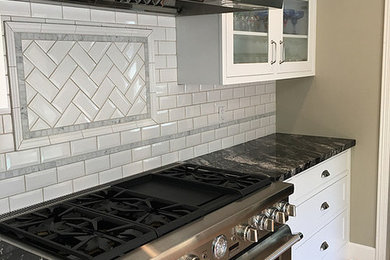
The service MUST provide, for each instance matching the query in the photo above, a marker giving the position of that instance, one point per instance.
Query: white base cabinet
(322, 197)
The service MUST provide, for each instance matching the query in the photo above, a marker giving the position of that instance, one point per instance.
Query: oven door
(277, 246)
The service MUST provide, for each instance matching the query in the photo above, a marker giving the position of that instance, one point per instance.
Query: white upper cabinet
(248, 46)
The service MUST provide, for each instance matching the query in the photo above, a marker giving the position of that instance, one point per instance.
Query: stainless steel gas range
(181, 212)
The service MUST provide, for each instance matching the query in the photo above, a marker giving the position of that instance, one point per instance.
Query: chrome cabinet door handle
(324, 206)
(282, 53)
(274, 46)
(325, 174)
(324, 246)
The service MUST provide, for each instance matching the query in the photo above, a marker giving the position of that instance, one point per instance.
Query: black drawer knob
(324, 246)
(325, 174)
(324, 206)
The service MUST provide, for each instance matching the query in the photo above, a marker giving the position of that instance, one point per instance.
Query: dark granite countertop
(279, 156)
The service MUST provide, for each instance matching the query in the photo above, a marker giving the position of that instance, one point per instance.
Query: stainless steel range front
(250, 228)
(181, 212)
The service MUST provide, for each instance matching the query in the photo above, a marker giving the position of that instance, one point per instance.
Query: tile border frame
(103, 152)
(14, 33)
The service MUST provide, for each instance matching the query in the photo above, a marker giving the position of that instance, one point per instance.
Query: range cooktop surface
(111, 222)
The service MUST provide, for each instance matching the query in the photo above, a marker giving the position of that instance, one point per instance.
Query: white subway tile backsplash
(221, 132)
(175, 109)
(198, 98)
(25, 199)
(233, 130)
(184, 100)
(15, 8)
(7, 124)
(208, 136)
(2, 163)
(170, 34)
(251, 135)
(160, 148)
(75, 13)
(193, 111)
(7, 143)
(186, 154)
(169, 158)
(169, 128)
(12, 186)
(177, 114)
(131, 136)
(260, 89)
(227, 142)
(161, 62)
(215, 145)
(150, 132)
(107, 141)
(193, 140)
(238, 139)
(53, 152)
(41, 179)
(141, 153)
(185, 125)
(83, 146)
(85, 182)
(132, 168)
(144, 19)
(171, 62)
(152, 163)
(166, 21)
(70, 171)
(201, 121)
(201, 149)
(167, 48)
(168, 75)
(167, 102)
(57, 190)
(110, 175)
(207, 108)
(121, 158)
(47, 11)
(4, 206)
(213, 96)
(22, 158)
(97, 164)
(177, 144)
(102, 16)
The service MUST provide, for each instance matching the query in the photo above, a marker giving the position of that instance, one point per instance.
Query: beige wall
(343, 99)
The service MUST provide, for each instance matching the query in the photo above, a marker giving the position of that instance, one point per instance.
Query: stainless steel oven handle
(286, 246)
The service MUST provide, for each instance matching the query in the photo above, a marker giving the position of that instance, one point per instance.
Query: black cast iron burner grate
(73, 233)
(242, 182)
(158, 214)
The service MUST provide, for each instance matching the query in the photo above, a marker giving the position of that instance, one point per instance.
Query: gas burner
(77, 233)
(233, 180)
(152, 212)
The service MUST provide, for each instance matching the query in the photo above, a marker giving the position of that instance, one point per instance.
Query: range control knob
(276, 215)
(246, 233)
(262, 222)
(219, 247)
(289, 209)
(189, 257)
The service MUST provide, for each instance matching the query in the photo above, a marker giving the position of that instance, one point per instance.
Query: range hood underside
(178, 7)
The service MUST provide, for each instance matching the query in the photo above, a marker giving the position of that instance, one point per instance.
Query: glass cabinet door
(295, 31)
(248, 45)
(250, 37)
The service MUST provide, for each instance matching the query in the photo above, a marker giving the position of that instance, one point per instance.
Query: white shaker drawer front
(307, 183)
(329, 239)
(316, 212)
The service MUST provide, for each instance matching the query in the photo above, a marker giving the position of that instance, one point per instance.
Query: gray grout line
(120, 148)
